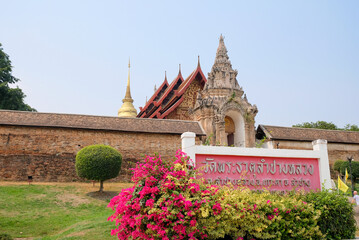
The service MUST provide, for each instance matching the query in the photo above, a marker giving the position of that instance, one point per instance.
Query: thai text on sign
(260, 172)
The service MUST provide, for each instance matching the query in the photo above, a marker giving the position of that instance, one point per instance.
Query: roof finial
(146, 99)
(155, 88)
(198, 64)
(179, 72)
(129, 65)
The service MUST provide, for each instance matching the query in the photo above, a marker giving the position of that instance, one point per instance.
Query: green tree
(337, 165)
(318, 124)
(355, 169)
(98, 162)
(10, 98)
(327, 125)
(350, 127)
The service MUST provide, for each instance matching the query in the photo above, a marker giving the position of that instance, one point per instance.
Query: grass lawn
(50, 211)
(56, 210)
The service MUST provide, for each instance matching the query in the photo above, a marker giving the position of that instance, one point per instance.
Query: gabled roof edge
(164, 83)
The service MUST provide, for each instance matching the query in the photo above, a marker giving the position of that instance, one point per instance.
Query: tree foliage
(318, 124)
(336, 220)
(355, 169)
(10, 98)
(98, 162)
(338, 164)
(351, 127)
(327, 125)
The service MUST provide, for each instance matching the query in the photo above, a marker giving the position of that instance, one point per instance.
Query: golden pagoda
(127, 109)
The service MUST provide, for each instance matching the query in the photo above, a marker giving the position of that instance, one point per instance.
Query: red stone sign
(272, 173)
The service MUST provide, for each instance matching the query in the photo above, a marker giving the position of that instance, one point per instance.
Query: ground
(50, 211)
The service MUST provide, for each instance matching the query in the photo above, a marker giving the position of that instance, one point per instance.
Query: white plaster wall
(239, 133)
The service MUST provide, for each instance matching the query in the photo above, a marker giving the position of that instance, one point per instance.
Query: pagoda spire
(222, 74)
(127, 109)
(221, 55)
(128, 90)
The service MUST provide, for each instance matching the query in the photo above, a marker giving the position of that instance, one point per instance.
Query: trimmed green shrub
(355, 169)
(5, 236)
(263, 215)
(98, 162)
(336, 220)
(337, 165)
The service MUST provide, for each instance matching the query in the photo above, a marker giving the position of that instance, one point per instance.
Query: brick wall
(48, 154)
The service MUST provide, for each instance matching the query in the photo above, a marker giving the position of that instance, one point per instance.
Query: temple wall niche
(239, 131)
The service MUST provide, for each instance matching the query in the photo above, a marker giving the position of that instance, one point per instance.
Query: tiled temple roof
(307, 134)
(57, 120)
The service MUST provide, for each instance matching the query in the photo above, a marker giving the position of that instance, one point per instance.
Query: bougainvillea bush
(164, 203)
(168, 202)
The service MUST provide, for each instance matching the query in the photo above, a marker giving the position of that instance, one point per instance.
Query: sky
(297, 61)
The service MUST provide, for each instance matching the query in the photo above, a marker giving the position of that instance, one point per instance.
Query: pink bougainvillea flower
(193, 223)
(149, 203)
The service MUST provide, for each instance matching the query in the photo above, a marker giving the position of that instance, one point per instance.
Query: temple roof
(306, 134)
(119, 124)
(168, 97)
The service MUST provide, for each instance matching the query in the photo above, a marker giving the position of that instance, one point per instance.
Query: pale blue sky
(296, 60)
